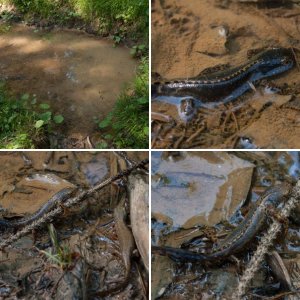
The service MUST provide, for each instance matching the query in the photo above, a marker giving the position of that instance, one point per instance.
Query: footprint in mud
(181, 24)
(184, 22)
(166, 6)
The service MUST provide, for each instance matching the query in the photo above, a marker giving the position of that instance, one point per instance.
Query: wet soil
(191, 36)
(86, 232)
(79, 75)
(198, 198)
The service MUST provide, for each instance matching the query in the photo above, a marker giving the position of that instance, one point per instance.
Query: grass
(60, 255)
(123, 18)
(129, 121)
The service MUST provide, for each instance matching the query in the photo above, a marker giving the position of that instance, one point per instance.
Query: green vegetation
(128, 122)
(60, 254)
(22, 122)
(125, 21)
(121, 16)
(117, 17)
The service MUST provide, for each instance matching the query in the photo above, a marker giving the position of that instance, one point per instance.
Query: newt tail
(179, 255)
(242, 235)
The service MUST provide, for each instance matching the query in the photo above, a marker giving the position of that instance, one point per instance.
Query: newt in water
(238, 238)
(56, 199)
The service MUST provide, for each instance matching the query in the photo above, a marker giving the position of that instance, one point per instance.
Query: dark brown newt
(229, 84)
(239, 237)
(57, 198)
(127, 245)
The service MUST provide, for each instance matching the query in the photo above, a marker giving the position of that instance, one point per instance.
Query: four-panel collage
(149, 149)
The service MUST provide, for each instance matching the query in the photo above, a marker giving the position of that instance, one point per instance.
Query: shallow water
(198, 187)
(79, 75)
(28, 180)
(193, 192)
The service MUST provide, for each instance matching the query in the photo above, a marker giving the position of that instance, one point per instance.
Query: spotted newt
(57, 198)
(238, 238)
(227, 85)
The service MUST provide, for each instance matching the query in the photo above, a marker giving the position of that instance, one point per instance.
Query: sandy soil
(79, 75)
(186, 39)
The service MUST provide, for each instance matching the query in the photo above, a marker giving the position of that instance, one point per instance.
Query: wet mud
(199, 198)
(80, 255)
(79, 75)
(190, 37)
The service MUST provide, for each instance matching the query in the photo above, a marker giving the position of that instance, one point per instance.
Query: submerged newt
(223, 86)
(57, 198)
(238, 238)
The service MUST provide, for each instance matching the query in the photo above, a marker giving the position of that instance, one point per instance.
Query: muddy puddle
(79, 75)
(202, 37)
(83, 253)
(198, 198)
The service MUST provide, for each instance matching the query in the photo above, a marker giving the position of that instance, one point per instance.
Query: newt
(240, 236)
(229, 84)
(223, 86)
(56, 199)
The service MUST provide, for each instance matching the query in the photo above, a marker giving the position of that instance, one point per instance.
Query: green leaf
(58, 119)
(102, 145)
(146, 130)
(39, 124)
(46, 116)
(106, 122)
(44, 106)
(142, 100)
(25, 97)
(108, 136)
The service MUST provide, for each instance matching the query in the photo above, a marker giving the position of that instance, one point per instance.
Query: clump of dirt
(189, 37)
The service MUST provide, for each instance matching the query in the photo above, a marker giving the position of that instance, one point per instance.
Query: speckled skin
(59, 197)
(241, 236)
(228, 85)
